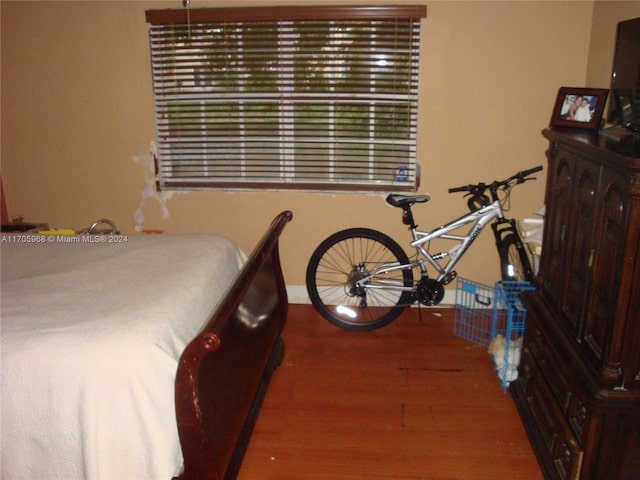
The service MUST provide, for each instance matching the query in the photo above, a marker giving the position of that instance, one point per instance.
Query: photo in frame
(579, 108)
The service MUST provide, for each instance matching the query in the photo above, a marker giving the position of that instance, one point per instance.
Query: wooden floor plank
(408, 402)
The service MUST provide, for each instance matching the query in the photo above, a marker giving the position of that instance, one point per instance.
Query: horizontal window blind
(286, 98)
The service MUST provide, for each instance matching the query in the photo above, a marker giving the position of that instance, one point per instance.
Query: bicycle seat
(397, 200)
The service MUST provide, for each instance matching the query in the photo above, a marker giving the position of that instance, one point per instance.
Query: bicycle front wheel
(514, 262)
(354, 279)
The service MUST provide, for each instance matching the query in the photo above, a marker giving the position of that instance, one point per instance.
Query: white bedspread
(91, 337)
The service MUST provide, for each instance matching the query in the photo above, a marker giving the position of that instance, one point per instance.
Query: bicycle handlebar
(459, 189)
(526, 173)
(479, 188)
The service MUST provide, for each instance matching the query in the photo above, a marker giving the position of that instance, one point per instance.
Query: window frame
(404, 181)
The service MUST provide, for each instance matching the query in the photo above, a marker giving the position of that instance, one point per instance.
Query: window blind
(286, 98)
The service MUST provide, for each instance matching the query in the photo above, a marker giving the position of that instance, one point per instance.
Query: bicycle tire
(346, 256)
(514, 261)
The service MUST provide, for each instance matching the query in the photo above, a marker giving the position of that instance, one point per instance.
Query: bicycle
(362, 279)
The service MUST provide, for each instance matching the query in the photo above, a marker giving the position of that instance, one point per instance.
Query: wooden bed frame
(224, 372)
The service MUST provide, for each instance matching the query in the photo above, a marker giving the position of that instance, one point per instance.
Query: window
(305, 98)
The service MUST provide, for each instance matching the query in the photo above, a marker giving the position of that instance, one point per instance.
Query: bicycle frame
(477, 220)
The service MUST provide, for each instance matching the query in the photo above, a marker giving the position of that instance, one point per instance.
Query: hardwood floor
(410, 401)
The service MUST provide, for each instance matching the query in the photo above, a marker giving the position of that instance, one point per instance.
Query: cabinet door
(605, 260)
(557, 223)
(631, 334)
(579, 259)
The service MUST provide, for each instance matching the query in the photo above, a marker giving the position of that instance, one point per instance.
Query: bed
(133, 357)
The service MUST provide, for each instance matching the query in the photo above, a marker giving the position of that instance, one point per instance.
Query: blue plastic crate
(473, 316)
(493, 317)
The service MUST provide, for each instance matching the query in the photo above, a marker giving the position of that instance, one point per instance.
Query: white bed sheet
(91, 335)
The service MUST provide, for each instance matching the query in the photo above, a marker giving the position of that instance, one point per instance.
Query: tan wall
(77, 107)
(606, 16)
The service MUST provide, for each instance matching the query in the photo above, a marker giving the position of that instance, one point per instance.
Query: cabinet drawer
(557, 377)
(562, 451)
(559, 380)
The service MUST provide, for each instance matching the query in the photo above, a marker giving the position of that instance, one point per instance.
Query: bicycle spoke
(350, 286)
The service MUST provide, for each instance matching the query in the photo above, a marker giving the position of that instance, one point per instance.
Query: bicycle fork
(504, 227)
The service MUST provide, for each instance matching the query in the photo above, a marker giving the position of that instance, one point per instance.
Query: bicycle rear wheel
(514, 261)
(341, 261)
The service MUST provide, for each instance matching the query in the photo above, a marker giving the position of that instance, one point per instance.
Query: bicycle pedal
(449, 277)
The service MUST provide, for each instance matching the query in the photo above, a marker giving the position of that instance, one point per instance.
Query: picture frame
(579, 108)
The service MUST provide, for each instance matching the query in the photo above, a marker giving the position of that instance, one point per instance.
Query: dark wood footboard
(224, 372)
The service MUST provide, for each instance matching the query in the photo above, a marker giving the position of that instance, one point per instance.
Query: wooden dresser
(578, 391)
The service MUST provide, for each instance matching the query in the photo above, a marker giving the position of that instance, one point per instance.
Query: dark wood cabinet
(578, 391)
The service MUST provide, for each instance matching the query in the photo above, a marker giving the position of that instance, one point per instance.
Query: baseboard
(298, 294)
